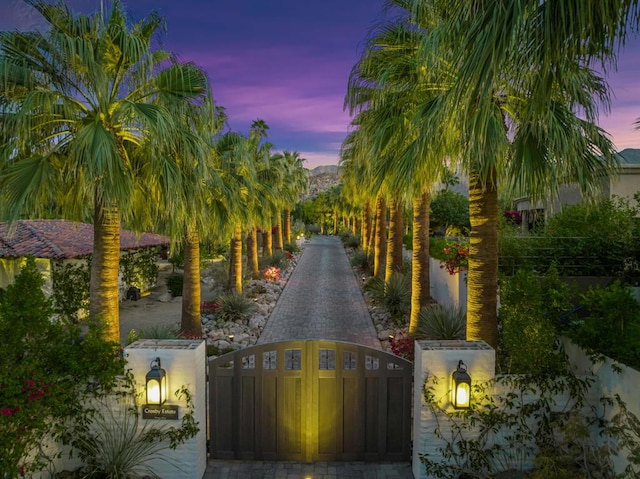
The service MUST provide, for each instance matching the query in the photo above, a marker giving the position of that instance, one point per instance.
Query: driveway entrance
(310, 400)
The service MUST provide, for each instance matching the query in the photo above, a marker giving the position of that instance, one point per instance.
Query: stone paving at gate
(322, 300)
(316, 470)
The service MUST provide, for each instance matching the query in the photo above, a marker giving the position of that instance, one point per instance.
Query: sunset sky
(287, 62)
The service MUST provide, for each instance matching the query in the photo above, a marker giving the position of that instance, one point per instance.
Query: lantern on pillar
(461, 387)
(156, 381)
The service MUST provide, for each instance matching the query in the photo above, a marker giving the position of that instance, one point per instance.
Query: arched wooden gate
(310, 401)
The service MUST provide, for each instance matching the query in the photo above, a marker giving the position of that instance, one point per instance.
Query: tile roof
(60, 239)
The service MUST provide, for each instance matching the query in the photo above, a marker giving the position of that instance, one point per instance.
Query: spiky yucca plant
(394, 295)
(235, 307)
(441, 322)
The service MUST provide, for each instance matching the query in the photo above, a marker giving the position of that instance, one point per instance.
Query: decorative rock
(384, 334)
(258, 321)
(165, 297)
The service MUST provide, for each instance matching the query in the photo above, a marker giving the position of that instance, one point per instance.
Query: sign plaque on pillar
(160, 411)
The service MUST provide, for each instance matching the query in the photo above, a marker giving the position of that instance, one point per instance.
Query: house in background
(625, 185)
(60, 242)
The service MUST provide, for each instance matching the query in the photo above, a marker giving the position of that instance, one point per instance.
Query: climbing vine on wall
(539, 425)
(139, 268)
(71, 289)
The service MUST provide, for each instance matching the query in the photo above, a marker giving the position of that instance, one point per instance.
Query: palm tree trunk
(267, 243)
(420, 280)
(252, 253)
(366, 227)
(380, 248)
(279, 240)
(287, 225)
(394, 240)
(190, 322)
(335, 221)
(104, 301)
(482, 280)
(235, 261)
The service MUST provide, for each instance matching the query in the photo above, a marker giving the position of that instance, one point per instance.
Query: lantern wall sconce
(156, 381)
(461, 387)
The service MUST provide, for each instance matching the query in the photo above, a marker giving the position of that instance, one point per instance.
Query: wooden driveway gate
(310, 401)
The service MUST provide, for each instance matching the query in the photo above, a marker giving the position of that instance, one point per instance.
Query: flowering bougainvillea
(272, 274)
(514, 217)
(48, 371)
(457, 255)
(210, 307)
(403, 345)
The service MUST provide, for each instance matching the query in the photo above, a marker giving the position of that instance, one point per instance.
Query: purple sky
(287, 62)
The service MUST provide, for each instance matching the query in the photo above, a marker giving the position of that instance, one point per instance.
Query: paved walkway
(296, 470)
(322, 300)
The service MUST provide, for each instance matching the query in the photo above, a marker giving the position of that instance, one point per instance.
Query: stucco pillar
(434, 363)
(185, 364)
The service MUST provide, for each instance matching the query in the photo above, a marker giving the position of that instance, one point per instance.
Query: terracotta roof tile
(60, 239)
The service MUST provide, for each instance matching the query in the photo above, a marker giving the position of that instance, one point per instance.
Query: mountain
(630, 155)
(321, 179)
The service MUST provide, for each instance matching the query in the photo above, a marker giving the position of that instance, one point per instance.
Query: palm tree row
(501, 90)
(97, 126)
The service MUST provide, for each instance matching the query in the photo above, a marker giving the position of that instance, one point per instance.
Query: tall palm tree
(189, 210)
(508, 129)
(79, 102)
(297, 183)
(239, 177)
(388, 84)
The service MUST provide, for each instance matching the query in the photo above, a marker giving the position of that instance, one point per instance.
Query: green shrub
(350, 241)
(174, 283)
(235, 307)
(441, 322)
(436, 248)
(611, 325)
(449, 211)
(395, 295)
(360, 259)
(278, 259)
(529, 315)
(587, 239)
(292, 248)
(48, 371)
(70, 284)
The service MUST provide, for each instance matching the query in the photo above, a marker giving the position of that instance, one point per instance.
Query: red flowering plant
(272, 274)
(403, 345)
(457, 257)
(210, 307)
(514, 217)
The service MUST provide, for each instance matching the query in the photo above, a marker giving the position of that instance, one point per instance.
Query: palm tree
(239, 178)
(297, 183)
(79, 102)
(388, 84)
(510, 127)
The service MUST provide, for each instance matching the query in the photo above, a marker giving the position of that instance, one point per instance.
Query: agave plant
(235, 307)
(394, 295)
(441, 322)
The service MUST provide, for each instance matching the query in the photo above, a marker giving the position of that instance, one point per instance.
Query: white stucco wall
(447, 289)
(185, 364)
